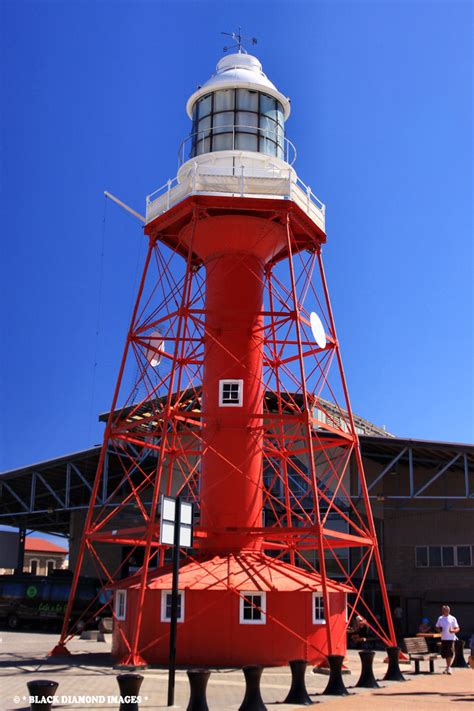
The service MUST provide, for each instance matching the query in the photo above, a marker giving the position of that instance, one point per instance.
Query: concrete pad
(89, 673)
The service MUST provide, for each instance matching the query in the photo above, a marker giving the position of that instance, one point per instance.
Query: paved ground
(89, 672)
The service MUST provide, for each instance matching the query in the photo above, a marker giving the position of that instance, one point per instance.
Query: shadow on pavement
(87, 659)
(463, 696)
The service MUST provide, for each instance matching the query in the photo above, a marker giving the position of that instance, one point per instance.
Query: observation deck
(243, 176)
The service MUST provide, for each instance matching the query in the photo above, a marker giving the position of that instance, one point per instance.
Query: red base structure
(215, 590)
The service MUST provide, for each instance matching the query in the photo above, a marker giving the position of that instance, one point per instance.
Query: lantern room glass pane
(203, 146)
(224, 100)
(246, 120)
(247, 100)
(203, 124)
(268, 147)
(246, 142)
(268, 105)
(205, 105)
(222, 142)
(269, 127)
(224, 122)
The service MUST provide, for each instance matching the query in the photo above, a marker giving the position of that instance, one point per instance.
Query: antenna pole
(125, 207)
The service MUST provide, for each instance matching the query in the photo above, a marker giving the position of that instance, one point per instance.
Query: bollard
(252, 700)
(129, 685)
(298, 693)
(367, 679)
(41, 689)
(393, 672)
(198, 679)
(335, 685)
(459, 662)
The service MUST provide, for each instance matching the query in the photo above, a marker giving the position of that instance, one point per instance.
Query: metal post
(242, 186)
(298, 693)
(129, 686)
(21, 551)
(367, 679)
(174, 604)
(393, 672)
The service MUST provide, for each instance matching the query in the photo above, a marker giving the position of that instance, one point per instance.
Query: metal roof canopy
(43, 496)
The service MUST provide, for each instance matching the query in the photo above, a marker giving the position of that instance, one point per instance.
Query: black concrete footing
(367, 679)
(459, 662)
(335, 686)
(129, 687)
(393, 672)
(41, 690)
(252, 700)
(198, 679)
(298, 693)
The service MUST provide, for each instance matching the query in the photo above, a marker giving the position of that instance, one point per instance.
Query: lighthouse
(231, 393)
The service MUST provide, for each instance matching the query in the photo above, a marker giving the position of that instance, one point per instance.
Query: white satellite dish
(318, 330)
(156, 348)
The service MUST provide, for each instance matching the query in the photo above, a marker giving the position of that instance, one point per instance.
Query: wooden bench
(106, 624)
(417, 650)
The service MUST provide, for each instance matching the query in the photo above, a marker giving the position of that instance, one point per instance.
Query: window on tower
(231, 393)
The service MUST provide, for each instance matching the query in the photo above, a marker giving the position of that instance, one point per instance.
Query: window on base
(319, 617)
(34, 566)
(166, 600)
(253, 607)
(120, 604)
(231, 393)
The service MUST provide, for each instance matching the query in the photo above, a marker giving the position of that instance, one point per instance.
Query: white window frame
(318, 596)
(229, 381)
(244, 597)
(120, 606)
(164, 593)
(454, 546)
(37, 561)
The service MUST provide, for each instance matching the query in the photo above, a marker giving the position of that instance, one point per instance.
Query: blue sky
(93, 97)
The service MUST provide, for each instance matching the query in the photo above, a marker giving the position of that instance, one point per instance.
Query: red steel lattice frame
(158, 428)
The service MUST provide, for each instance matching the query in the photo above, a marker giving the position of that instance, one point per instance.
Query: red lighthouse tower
(231, 393)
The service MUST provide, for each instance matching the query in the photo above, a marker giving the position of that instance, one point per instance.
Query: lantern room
(238, 109)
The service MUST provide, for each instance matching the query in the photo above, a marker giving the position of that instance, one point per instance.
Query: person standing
(398, 622)
(447, 624)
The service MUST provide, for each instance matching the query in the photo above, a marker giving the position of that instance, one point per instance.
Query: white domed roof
(242, 71)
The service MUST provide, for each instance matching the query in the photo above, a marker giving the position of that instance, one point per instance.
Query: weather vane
(238, 37)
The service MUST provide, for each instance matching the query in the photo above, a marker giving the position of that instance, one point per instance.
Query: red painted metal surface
(229, 284)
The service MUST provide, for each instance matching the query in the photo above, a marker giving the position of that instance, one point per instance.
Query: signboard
(168, 519)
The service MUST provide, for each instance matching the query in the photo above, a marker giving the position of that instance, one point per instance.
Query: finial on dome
(238, 37)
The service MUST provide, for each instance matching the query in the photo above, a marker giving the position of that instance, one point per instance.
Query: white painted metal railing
(243, 181)
(284, 148)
